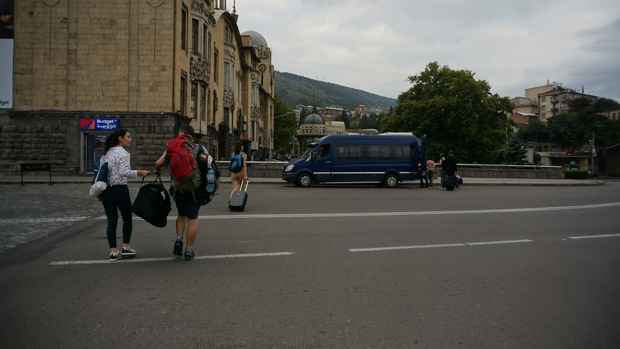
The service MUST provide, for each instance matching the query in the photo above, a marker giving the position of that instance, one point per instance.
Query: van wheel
(391, 180)
(304, 180)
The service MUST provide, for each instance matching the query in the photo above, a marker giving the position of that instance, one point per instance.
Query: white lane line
(41, 220)
(413, 247)
(594, 236)
(167, 259)
(498, 242)
(393, 214)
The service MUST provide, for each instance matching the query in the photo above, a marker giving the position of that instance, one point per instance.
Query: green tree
(515, 151)
(535, 131)
(606, 104)
(455, 111)
(572, 130)
(285, 123)
(345, 118)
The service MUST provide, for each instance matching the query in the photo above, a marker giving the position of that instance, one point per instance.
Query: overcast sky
(375, 45)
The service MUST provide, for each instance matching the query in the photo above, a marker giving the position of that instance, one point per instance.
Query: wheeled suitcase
(239, 198)
(450, 183)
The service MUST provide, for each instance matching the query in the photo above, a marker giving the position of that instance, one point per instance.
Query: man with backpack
(184, 156)
(449, 165)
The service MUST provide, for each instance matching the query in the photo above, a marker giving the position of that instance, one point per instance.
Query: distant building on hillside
(369, 110)
(330, 112)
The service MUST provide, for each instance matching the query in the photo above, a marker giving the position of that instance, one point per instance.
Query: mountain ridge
(299, 90)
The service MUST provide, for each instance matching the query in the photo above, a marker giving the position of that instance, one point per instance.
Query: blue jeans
(114, 199)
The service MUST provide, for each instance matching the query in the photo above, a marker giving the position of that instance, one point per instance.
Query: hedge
(576, 174)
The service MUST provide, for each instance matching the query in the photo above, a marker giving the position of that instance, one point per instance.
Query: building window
(195, 37)
(228, 35)
(227, 74)
(215, 65)
(184, 29)
(205, 41)
(193, 100)
(203, 103)
(183, 93)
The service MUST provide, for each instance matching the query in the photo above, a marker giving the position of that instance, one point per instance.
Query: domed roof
(257, 39)
(314, 119)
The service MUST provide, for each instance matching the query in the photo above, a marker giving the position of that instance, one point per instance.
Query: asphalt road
(323, 267)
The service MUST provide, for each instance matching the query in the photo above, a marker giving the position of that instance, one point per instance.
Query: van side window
(321, 152)
(375, 152)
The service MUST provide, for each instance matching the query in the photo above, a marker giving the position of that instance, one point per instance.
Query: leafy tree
(343, 117)
(606, 104)
(572, 130)
(515, 151)
(284, 126)
(535, 131)
(455, 111)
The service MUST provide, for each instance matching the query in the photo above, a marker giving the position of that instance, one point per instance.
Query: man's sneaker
(189, 253)
(128, 252)
(178, 248)
(115, 256)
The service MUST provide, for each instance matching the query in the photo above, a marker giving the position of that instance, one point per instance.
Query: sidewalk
(44, 179)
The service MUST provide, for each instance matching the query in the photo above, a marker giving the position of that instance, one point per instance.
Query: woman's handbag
(153, 203)
(100, 182)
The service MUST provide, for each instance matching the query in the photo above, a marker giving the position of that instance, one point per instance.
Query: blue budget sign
(99, 124)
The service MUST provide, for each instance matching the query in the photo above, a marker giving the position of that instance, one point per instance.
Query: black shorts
(188, 204)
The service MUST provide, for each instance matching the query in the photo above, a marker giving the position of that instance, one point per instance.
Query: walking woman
(238, 177)
(116, 197)
(441, 165)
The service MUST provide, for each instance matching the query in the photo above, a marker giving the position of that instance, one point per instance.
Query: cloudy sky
(374, 45)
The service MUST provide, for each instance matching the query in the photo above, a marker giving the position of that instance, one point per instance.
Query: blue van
(386, 159)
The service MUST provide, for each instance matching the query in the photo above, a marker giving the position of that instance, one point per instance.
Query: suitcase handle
(244, 185)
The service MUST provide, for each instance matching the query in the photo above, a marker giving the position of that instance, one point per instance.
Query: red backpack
(182, 154)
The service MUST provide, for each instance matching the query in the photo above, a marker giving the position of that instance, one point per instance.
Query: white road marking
(167, 259)
(413, 247)
(41, 220)
(393, 214)
(594, 236)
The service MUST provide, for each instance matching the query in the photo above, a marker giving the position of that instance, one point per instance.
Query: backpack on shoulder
(236, 163)
(184, 164)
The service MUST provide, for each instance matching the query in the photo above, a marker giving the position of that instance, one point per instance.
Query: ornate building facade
(83, 68)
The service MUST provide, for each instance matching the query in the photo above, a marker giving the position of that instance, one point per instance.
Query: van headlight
(289, 168)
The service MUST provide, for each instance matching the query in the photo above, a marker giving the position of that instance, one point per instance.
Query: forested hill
(298, 90)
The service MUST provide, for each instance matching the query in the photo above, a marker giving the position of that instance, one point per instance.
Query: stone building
(83, 68)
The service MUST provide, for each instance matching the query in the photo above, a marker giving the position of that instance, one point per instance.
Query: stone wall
(56, 138)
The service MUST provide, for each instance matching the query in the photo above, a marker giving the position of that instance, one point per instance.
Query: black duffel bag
(153, 203)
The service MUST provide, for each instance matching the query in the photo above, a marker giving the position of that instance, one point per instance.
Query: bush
(576, 174)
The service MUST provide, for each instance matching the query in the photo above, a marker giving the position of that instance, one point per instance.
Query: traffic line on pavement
(168, 259)
(42, 220)
(394, 214)
(594, 236)
(414, 247)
